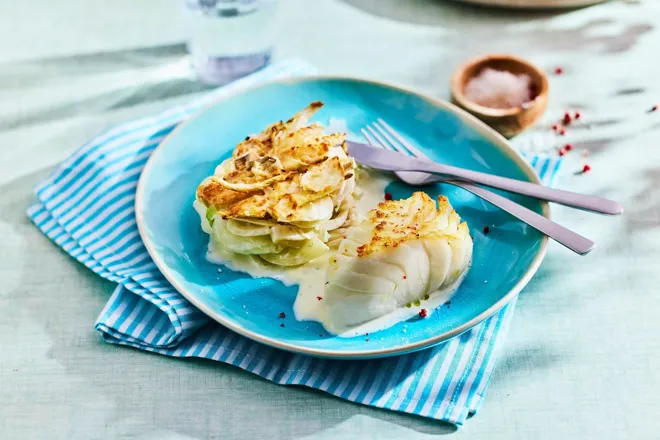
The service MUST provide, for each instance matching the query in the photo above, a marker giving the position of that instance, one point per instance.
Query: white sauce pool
(310, 277)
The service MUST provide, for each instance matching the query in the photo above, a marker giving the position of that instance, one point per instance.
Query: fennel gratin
(286, 195)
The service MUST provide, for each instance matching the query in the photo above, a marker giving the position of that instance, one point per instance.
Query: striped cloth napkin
(86, 207)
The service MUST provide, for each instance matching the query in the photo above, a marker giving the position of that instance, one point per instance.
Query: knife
(388, 160)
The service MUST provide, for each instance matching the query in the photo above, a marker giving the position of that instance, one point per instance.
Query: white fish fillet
(402, 253)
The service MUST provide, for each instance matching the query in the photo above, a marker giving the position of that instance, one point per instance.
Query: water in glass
(229, 38)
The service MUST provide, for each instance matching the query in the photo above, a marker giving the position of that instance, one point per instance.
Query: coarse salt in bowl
(506, 92)
(499, 89)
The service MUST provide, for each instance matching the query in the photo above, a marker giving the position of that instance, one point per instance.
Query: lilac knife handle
(575, 200)
(557, 232)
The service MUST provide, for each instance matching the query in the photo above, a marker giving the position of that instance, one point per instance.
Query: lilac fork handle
(562, 235)
(390, 160)
(581, 201)
(557, 232)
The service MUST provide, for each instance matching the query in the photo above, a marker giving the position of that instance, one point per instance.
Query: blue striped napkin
(86, 207)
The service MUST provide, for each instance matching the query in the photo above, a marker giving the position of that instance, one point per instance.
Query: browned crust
(390, 229)
(277, 162)
(215, 195)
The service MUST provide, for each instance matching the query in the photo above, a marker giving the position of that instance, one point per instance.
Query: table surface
(583, 353)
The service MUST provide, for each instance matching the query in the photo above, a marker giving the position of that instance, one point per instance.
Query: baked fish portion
(403, 252)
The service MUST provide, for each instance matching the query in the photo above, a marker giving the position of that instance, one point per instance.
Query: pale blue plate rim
(497, 140)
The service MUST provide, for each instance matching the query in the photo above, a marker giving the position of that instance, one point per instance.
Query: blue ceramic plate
(504, 260)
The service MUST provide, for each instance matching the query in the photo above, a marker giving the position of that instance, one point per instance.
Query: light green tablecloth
(583, 353)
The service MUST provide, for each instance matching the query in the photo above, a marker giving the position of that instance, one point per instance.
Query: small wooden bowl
(510, 121)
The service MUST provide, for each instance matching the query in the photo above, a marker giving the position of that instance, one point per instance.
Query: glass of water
(228, 39)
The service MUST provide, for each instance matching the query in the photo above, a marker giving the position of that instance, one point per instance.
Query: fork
(381, 134)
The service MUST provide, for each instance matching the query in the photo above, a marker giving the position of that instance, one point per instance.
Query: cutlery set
(389, 151)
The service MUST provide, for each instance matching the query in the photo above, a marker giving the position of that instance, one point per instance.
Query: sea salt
(499, 89)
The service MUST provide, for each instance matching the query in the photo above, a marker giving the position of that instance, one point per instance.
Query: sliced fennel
(290, 233)
(311, 249)
(258, 221)
(317, 210)
(308, 225)
(336, 221)
(244, 245)
(245, 229)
